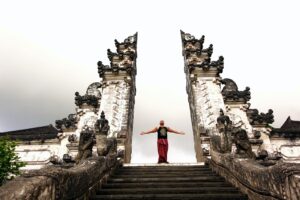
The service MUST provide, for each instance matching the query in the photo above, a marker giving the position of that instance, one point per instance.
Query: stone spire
(118, 92)
(204, 91)
(124, 60)
(196, 57)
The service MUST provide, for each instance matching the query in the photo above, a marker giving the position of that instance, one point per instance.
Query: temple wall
(289, 149)
(118, 93)
(37, 154)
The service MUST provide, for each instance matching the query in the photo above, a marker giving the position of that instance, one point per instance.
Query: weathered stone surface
(222, 142)
(197, 57)
(59, 183)
(123, 60)
(280, 181)
(242, 143)
(230, 92)
(118, 92)
(86, 143)
(90, 100)
(203, 88)
(67, 123)
(257, 118)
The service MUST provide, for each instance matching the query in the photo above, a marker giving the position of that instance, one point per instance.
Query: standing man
(162, 140)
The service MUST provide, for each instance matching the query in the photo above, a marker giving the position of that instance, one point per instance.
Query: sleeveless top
(162, 133)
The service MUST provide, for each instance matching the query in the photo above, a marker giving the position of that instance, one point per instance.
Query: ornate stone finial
(260, 119)
(86, 143)
(209, 51)
(66, 123)
(197, 57)
(123, 60)
(231, 93)
(90, 100)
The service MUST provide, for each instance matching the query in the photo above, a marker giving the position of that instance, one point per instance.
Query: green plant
(9, 160)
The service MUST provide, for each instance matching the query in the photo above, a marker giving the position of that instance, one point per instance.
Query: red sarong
(162, 147)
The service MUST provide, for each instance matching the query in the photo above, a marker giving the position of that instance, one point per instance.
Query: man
(162, 140)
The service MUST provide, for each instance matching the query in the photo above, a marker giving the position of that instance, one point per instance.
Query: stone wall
(58, 182)
(289, 149)
(279, 181)
(37, 154)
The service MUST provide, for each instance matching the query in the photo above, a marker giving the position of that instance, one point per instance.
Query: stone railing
(60, 182)
(279, 181)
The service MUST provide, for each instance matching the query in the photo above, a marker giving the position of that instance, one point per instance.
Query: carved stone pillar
(118, 92)
(203, 89)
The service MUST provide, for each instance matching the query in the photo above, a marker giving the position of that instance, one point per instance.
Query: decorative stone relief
(67, 124)
(86, 143)
(231, 93)
(257, 118)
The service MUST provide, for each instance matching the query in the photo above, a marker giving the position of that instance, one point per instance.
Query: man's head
(161, 122)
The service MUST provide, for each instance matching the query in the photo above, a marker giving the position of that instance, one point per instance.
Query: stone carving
(90, 100)
(260, 119)
(230, 91)
(93, 89)
(66, 123)
(242, 143)
(68, 159)
(257, 134)
(55, 160)
(123, 60)
(129, 44)
(197, 57)
(72, 138)
(222, 143)
(102, 127)
(263, 158)
(228, 134)
(207, 64)
(86, 142)
(209, 50)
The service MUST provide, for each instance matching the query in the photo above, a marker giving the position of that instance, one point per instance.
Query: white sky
(49, 50)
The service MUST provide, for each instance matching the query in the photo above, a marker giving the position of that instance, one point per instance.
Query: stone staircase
(170, 182)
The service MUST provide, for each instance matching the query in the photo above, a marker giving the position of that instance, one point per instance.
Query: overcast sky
(49, 50)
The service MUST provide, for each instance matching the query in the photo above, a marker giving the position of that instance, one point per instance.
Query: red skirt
(162, 147)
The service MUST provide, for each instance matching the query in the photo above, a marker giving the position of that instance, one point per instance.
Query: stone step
(166, 179)
(165, 168)
(221, 196)
(162, 171)
(155, 175)
(169, 190)
(166, 184)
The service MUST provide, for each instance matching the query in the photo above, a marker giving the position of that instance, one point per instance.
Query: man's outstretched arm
(176, 132)
(151, 131)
